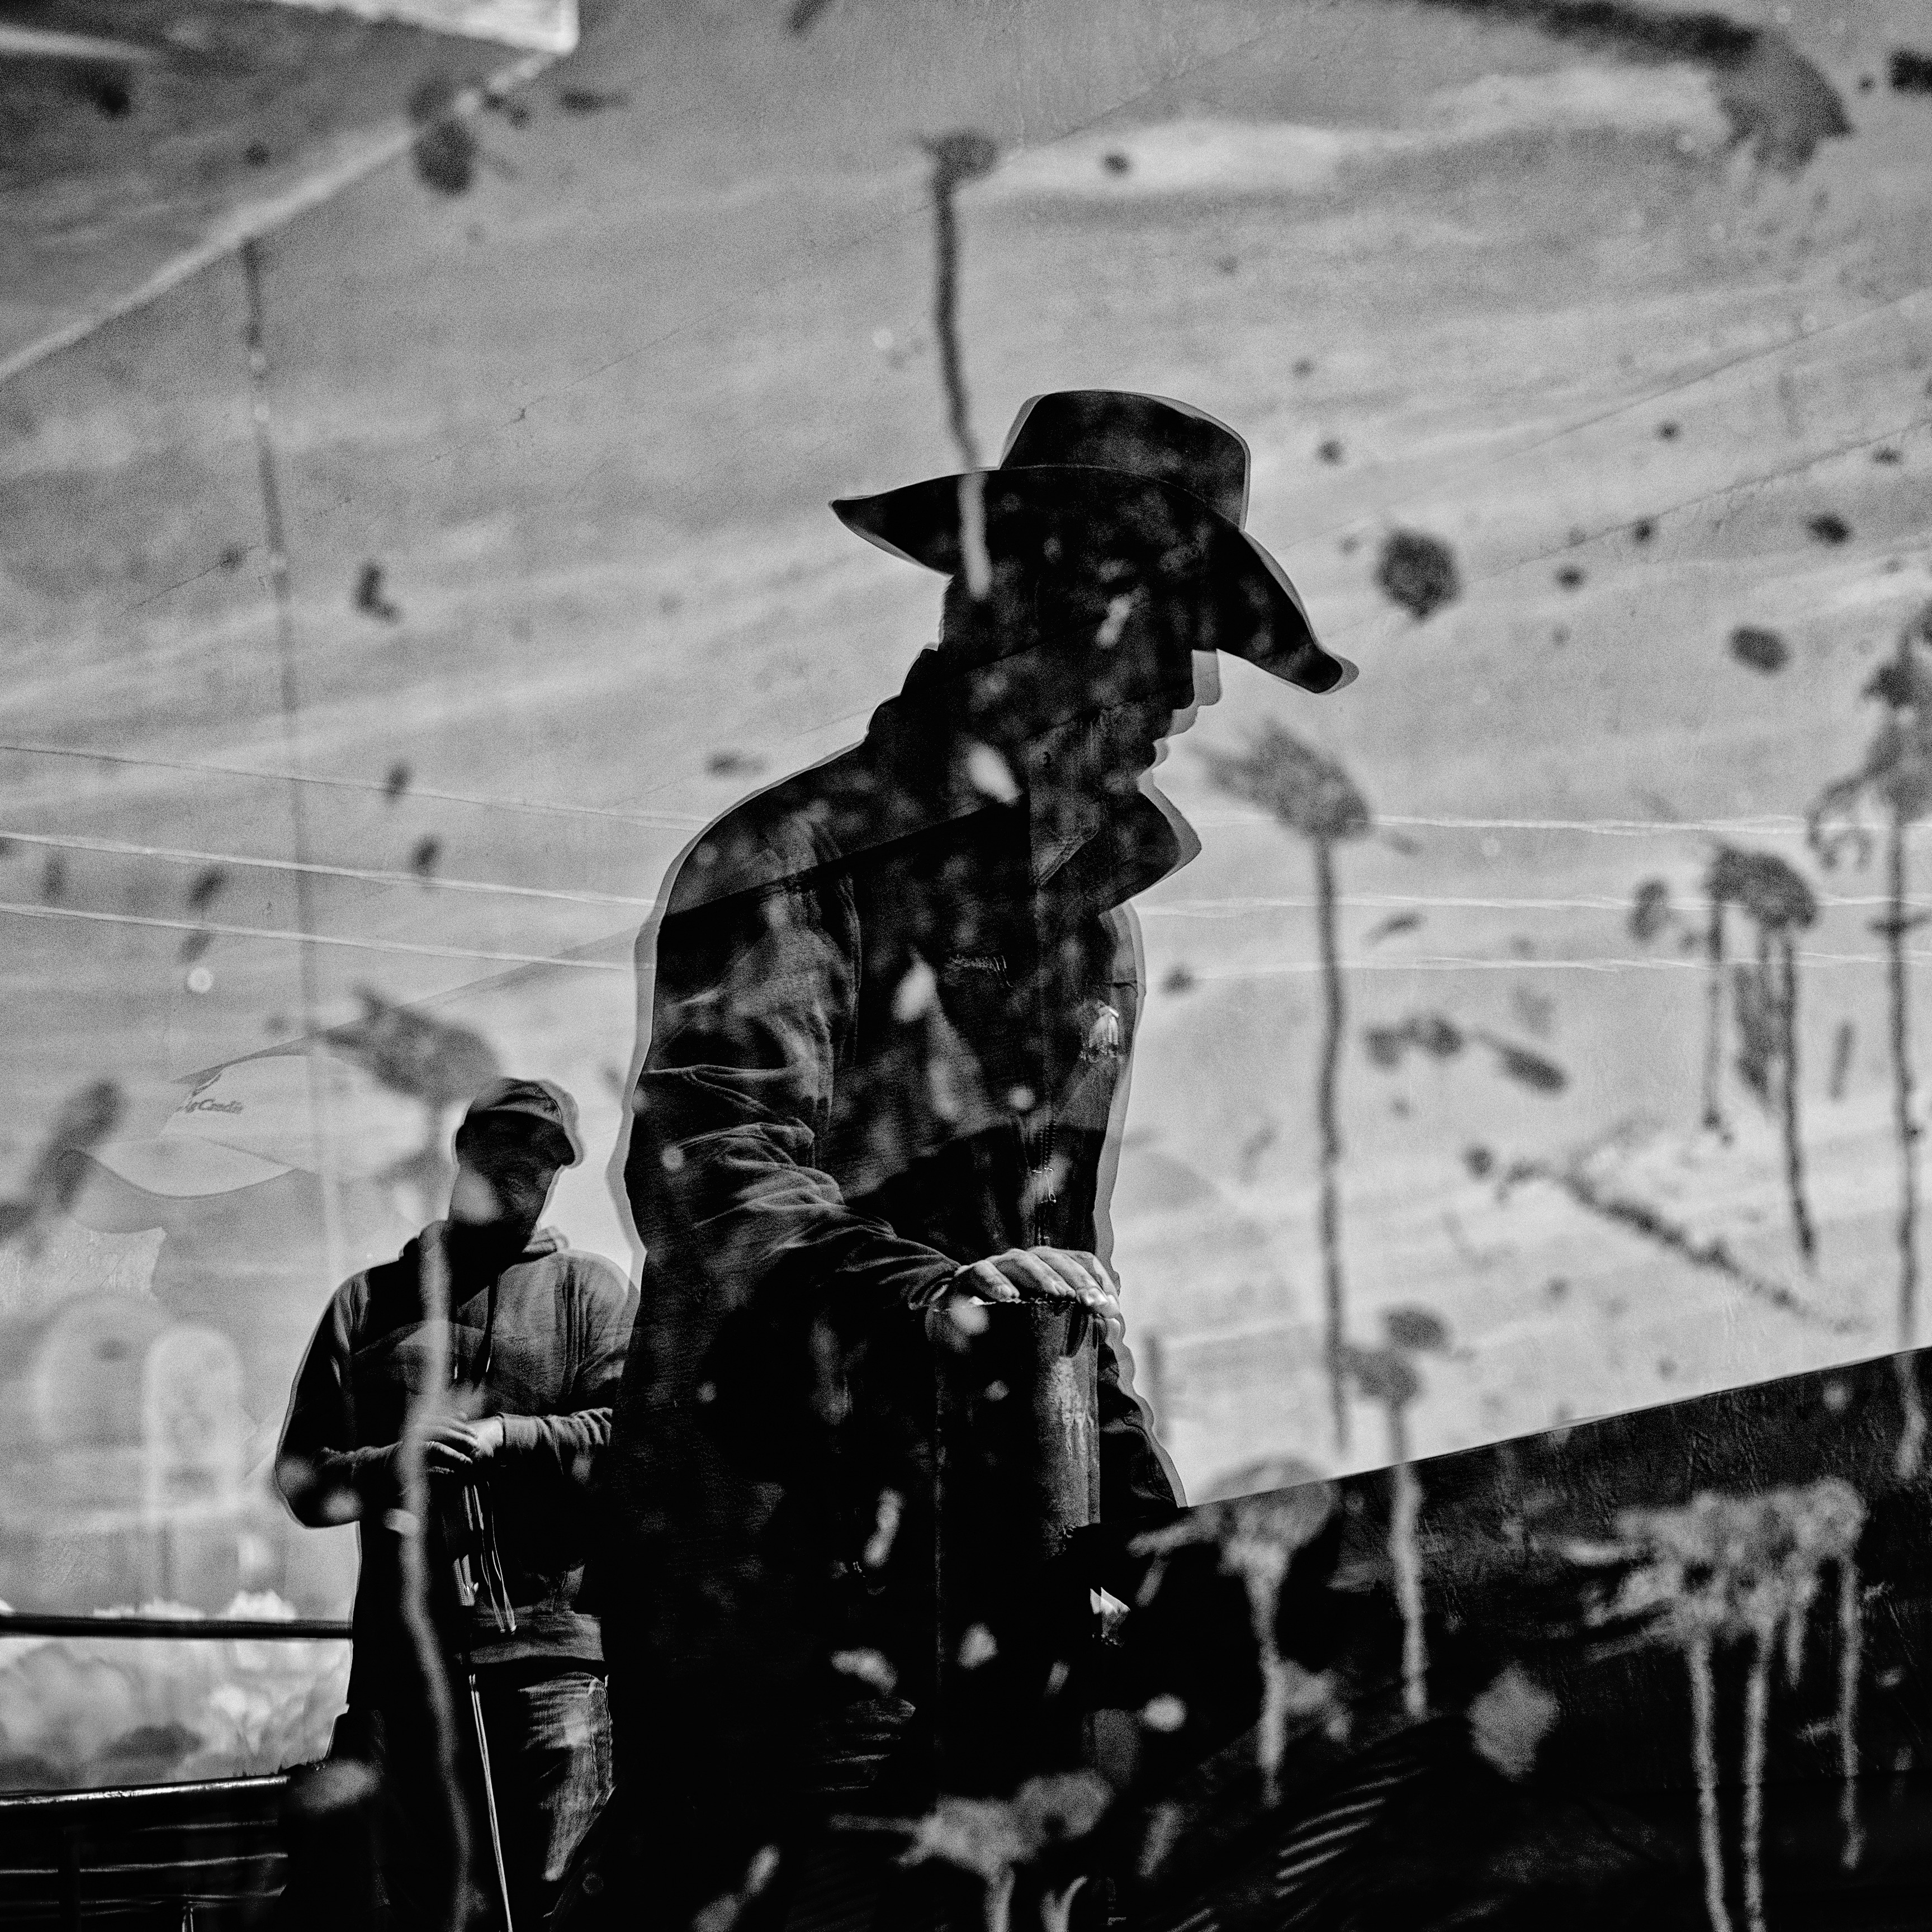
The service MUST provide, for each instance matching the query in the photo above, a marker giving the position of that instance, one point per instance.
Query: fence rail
(16, 1623)
(206, 1855)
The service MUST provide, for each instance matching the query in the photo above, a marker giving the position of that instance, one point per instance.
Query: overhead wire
(1227, 905)
(305, 867)
(687, 821)
(361, 874)
(665, 820)
(289, 692)
(294, 936)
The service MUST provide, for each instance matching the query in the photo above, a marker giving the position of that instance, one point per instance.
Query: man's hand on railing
(1048, 1274)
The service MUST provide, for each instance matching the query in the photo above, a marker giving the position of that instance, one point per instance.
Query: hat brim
(920, 524)
(181, 1167)
(566, 1144)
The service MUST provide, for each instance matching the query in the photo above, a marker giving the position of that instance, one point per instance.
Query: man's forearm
(565, 1446)
(743, 1206)
(325, 1486)
(1134, 1484)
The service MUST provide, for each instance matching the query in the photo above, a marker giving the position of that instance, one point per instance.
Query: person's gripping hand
(1048, 1274)
(452, 1447)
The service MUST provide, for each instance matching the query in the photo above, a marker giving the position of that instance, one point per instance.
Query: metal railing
(29, 1623)
(179, 1856)
(182, 1856)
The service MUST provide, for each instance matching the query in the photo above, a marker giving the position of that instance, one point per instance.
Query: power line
(1779, 827)
(172, 855)
(671, 820)
(1453, 963)
(1235, 908)
(1223, 906)
(663, 820)
(20, 909)
(1189, 908)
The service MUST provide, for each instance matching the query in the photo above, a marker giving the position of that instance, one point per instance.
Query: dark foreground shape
(1730, 1593)
(1663, 1672)
(165, 1857)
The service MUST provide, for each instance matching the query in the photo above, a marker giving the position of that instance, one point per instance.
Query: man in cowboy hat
(533, 1334)
(893, 1004)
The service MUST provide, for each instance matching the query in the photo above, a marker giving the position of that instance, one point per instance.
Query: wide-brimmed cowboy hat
(1113, 459)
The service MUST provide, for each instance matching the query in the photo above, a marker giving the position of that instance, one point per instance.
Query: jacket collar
(544, 1241)
(916, 738)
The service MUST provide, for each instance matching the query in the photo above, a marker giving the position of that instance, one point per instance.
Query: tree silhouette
(994, 1838)
(1714, 1017)
(1388, 1377)
(1896, 775)
(85, 1118)
(1258, 1537)
(436, 1062)
(1307, 792)
(1744, 1569)
(963, 156)
(1779, 902)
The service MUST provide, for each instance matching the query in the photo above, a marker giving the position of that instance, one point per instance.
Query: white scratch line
(176, 856)
(20, 911)
(673, 821)
(252, 219)
(1782, 826)
(1449, 963)
(1237, 908)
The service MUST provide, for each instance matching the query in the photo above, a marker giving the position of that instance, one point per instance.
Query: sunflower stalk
(958, 158)
(1307, 792)
(1779, 902)
(1896, 775)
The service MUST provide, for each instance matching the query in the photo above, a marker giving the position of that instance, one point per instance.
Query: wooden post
(1018, 1471)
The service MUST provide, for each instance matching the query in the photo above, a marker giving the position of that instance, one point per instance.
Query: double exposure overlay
(964, 964)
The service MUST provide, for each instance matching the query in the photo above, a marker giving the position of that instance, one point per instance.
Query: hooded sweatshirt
(545, 1351)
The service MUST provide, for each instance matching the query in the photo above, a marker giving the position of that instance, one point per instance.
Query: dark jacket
(556, 1351)
(876, 1051)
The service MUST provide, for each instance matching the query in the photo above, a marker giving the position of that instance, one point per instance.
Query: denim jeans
(549, 1761)
(549, 1733)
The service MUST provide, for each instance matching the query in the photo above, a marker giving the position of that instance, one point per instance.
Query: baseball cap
(254, 1120)
(542, 1102)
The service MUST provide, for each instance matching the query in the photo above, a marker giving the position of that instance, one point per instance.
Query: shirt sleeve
(1135, 1486)
(562, 1449)
(752, 1016)
(323, 1474)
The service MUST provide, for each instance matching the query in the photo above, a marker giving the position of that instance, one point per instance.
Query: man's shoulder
(591, 1277)
(777, 837)
(384, 1289)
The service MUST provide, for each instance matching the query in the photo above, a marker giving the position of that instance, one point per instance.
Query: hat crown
(1134, 435)
(539, 1103)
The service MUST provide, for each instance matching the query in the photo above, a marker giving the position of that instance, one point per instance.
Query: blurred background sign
(550, 26)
